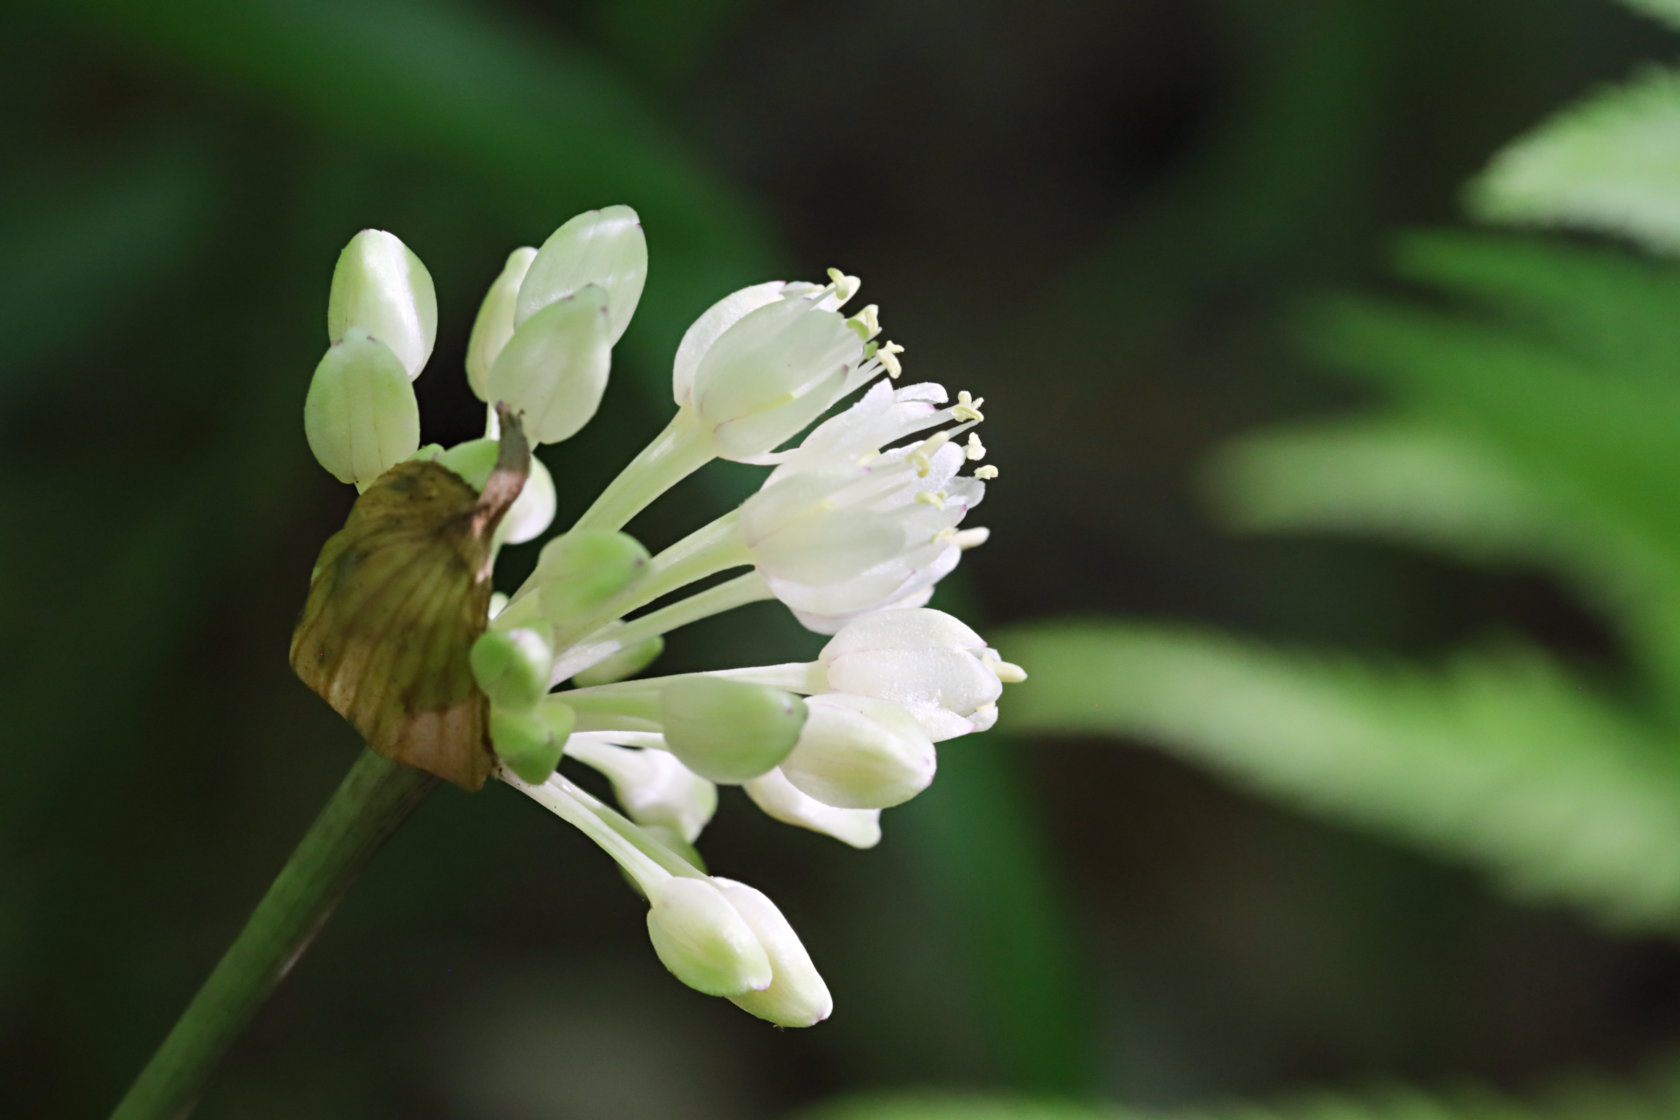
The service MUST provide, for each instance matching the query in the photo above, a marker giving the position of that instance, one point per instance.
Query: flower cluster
(859, 516)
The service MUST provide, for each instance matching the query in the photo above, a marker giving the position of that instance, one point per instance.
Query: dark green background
(1096, 215)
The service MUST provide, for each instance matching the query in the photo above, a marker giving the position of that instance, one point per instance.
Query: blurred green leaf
(1505, 762)
(1668, 11)
(1654, 1097)
(1607, 307)
(1608, 163)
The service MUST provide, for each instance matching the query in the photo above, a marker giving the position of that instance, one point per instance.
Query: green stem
(374, 798)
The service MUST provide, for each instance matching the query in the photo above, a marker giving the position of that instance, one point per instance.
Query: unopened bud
(526, 743)
(494, 325)
(554, 368)
(729, 731)
(579, 572)
(603, 247)
(705, 943)
(380, 286)
(512, 667)
(361, 417)
(797, 996)
(856, 752)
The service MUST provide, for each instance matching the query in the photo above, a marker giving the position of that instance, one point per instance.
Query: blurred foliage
(1657, 1097)
(1538, 428)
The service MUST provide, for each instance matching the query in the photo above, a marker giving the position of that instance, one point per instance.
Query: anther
(974, 450)
(888, 353)
(986, 473)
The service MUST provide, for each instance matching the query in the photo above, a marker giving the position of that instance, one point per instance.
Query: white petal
(780, 800)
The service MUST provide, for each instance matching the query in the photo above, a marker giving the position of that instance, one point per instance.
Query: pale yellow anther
(974, 450)
(888, 353)
(986, 473)
(946, 536)
(922, 457)
(934, 498)
(967, 407)
(869, 319)
(1006, 671)
(845, 287)
(971, 538)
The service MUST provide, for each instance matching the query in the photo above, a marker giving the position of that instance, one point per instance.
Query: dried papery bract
(397, 599)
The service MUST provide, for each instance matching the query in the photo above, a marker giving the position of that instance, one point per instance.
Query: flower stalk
(374, 798)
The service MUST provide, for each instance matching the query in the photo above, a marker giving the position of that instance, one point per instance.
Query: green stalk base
(374, 798)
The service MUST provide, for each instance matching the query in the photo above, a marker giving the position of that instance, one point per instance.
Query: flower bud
(729, 731)
(602, 247)
(797, 996)
(554, 368)
(927, 661)
(770, 374)
(772, 792)
(494, 325)
(526, 742)
(622, 665)
(856, 752)
(579, 572)
(361, 417)
(512, 667)
(705, 943)
(531, 513)
(380, 286)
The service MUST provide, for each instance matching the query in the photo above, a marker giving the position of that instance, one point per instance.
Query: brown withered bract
(397, 599)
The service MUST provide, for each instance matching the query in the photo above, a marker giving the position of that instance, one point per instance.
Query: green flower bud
(554, 368)
(705, 943)
(526, 743)
(494, 325)
(512, 667)
(361, 417)
(622, 665)
(602, 247)
(729, 731)
(579, 572)
(531, 513)
(380, 286)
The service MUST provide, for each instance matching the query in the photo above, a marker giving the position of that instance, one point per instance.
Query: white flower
(857, 752)
(764, 362)
(937, 668)
(842, 528)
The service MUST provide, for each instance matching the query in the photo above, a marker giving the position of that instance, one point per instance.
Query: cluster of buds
(859, 516)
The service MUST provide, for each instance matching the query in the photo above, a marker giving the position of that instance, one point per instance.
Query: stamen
(971, 538)
(974, 450)
(934, 498)
(888, 353)
(986, 473)
(1006, 671)
(967, 407)
(845, 287)
(922, 457)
